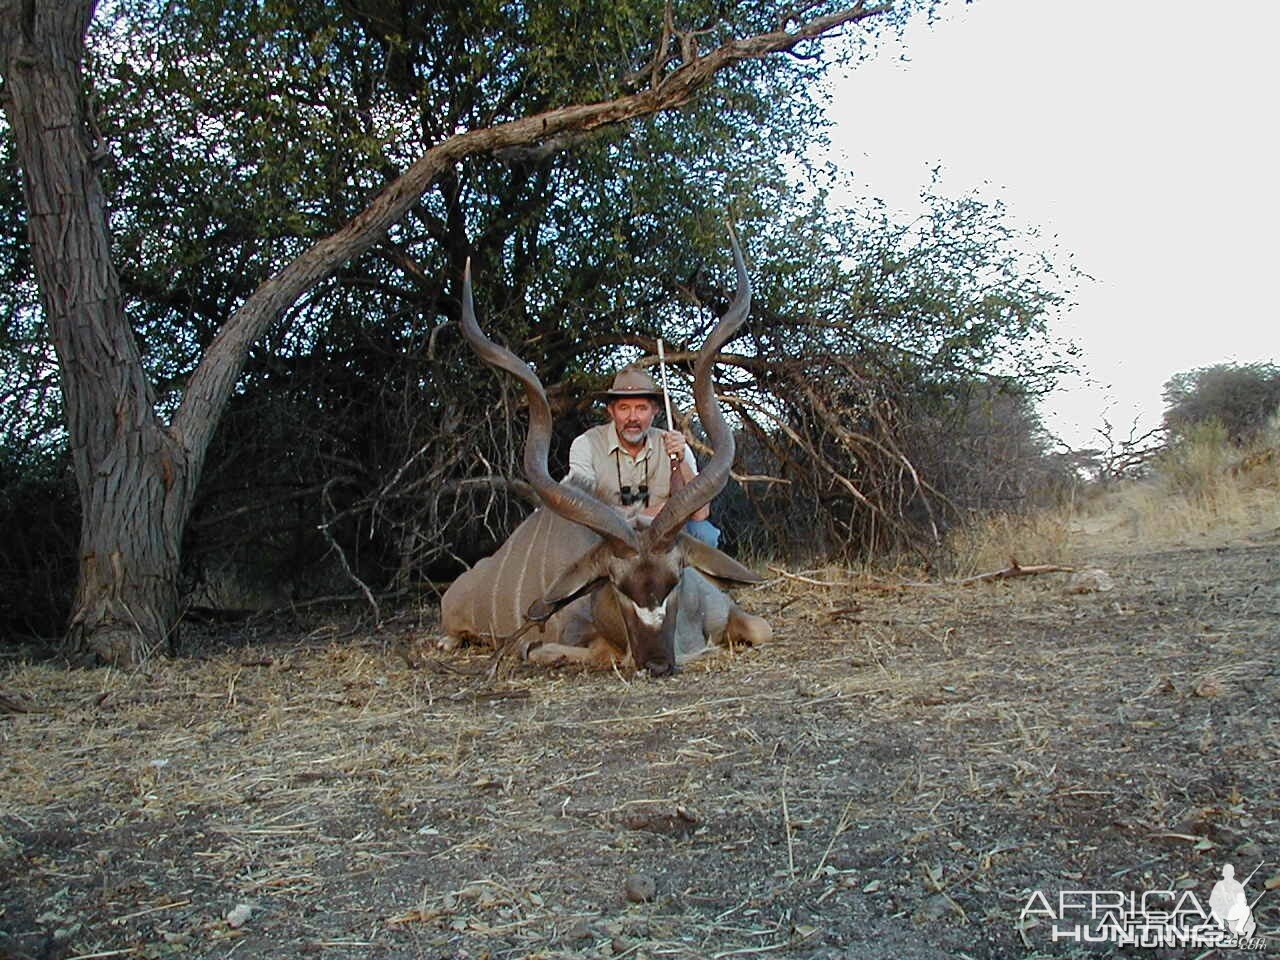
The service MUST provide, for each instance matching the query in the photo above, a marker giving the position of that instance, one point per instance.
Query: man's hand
(673, 440)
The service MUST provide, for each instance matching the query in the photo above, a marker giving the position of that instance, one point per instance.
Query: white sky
(1142, 133)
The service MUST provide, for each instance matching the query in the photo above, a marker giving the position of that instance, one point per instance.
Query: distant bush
(1269, 436)
(1241, 398)
(983, 447)
(1196, 463)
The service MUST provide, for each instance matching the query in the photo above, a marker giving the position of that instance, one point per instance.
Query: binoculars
(628, 498)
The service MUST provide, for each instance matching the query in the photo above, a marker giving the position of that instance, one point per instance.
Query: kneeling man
(627, 461)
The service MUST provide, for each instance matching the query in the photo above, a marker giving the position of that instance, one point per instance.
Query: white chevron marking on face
(651, 616)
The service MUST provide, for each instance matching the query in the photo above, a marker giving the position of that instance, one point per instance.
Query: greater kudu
(604, 589)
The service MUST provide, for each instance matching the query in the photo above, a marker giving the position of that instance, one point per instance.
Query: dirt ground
(893, 776)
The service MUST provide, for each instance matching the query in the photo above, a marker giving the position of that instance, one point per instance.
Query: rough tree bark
(133, 476)
(136, 474)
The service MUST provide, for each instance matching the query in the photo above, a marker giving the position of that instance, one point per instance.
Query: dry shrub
(1197, 466)
(1207, 481)
(1258, 468)
(1149, 512)
(990, 542)
(1202, 484)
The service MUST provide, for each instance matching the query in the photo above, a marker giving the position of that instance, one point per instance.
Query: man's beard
(633, 433)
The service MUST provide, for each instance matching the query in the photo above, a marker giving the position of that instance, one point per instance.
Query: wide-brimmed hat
(632, 382)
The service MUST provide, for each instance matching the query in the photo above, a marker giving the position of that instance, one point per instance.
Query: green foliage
(38, 513)
(952, 294)
(1239, 398)
(242, 132)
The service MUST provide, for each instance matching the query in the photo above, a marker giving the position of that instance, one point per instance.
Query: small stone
(239, 915)
(674, 819)
(579, 931)
(1210, 687)
(932, 910)
(1226, 837)
(1090, 581)
(640, 888)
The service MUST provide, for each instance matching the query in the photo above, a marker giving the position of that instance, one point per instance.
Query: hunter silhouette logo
(1230, 904)
(1151, 918)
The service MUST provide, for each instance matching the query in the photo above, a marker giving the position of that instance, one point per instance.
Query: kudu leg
(598, 654)
(746, 629)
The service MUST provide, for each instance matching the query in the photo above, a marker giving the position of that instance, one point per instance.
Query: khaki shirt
(598, 457)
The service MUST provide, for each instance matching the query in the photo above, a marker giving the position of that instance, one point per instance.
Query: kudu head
(636, 569)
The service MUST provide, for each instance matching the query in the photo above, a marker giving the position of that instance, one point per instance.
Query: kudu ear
(584, 576)
(713, 563)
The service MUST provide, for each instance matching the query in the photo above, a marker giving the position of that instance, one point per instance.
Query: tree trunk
(135, 509)
(131, 473)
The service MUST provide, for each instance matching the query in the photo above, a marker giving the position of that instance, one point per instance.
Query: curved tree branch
(215, 377)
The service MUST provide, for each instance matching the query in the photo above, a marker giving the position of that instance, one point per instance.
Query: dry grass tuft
(991, 542)
(1204, 491)
(1203, 488)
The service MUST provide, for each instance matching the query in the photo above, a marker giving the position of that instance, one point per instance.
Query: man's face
(632, 417)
